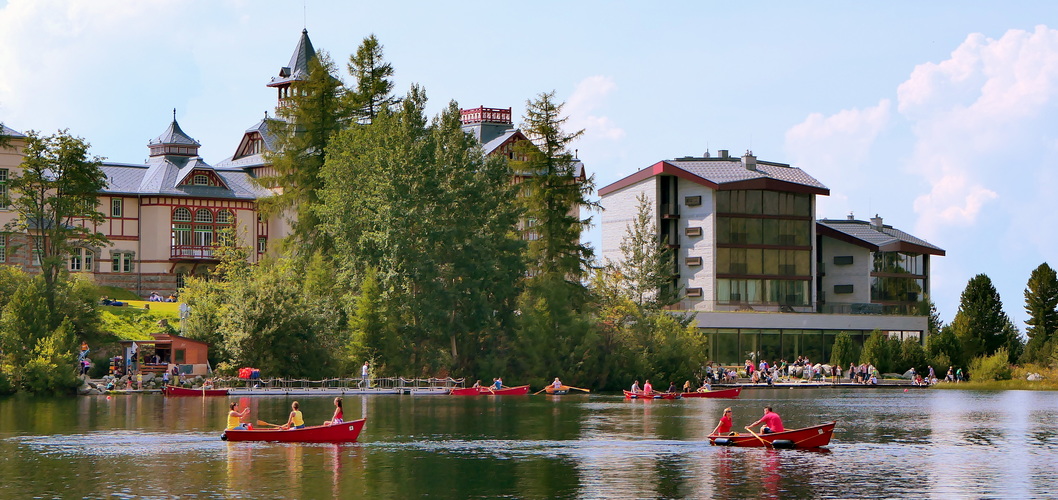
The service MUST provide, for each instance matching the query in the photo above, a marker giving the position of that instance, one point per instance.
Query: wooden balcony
(195, 253)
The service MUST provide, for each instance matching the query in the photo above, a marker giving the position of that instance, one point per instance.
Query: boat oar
(262, 422)
(766, 444)
(578, 389)
(541, 390)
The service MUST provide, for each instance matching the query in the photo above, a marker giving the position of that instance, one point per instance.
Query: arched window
(225, 217)
(181, 215)
(203, 215)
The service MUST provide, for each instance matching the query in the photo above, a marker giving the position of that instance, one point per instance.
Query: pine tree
(647, 264)
(372, 88)
(1041, 304)
(980, 322)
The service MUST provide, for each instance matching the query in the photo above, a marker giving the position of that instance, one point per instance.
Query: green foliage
(993, 367)
(207, 302)
(132, 324)
(844, 351)
(647, 265)
(1041, 304)
(50, 368)
(56, 195)
(372, 87)
(980, 322)
(115, 293)
(912, 355)
(315, 113)
(944, 349)
(878, 352)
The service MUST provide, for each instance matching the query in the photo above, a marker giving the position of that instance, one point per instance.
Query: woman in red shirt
(724, 427)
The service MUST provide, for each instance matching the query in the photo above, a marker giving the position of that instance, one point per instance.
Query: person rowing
(771, 422)
(235, 417)
(672, 387)
(724, 427)
(647, 388)
(635, 387)
(477, 384)
(296, 421)
(497, 384)
(557, 384)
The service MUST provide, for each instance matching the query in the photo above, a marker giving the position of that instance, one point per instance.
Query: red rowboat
(809, 437)
(507, 391)
(337, 433)
(652, 395)
(719, 393)
(172, 390)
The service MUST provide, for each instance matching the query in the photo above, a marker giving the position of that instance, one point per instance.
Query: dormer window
(200, 180)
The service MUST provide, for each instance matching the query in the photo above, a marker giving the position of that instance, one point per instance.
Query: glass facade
(732, 346)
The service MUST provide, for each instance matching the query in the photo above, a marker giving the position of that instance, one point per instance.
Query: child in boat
(235, 417)
(338, 414)
(296, 421)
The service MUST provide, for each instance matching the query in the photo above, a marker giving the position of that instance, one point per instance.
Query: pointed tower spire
(296, 69)
(174, 142)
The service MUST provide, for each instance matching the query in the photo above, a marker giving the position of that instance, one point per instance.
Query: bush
(994, 367)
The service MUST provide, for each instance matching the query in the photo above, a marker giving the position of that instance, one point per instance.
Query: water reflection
(887, 444)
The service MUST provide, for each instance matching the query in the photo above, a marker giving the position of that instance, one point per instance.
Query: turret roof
(298, 67)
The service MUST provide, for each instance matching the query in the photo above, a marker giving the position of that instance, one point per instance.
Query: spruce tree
(372, 84)
(1041, 304)
(980, 324)
(647, 264)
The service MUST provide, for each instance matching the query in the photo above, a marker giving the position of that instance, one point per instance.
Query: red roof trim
(769, 184)
(659, 168)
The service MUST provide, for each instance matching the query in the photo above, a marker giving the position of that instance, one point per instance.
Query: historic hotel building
(764, 277)
(165, 217)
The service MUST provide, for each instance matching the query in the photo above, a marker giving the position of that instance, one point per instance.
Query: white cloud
(975, 115)
(832, 147)
(583, 107)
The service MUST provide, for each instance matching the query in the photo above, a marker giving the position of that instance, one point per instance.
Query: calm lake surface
(888, 443)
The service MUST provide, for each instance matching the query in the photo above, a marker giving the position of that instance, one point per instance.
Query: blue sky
(934, 115)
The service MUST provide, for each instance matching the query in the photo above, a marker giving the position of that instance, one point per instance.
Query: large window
(3, 247)
(899, 262)
(80, 260)
(762, 291)
(195, 233)
(122, 262)
(763, 202)
(749, 231)
(3, 188)
(766, 262)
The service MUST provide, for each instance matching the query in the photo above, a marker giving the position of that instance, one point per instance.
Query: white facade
(619, 213)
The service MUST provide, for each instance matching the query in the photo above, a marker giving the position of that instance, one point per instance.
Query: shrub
(994, 367)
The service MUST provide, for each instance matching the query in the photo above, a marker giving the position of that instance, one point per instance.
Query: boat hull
(172, 390)
(479, 391)
(345, 432)
(653, 395)
(556, 392)
(720, 393)
(808, 437)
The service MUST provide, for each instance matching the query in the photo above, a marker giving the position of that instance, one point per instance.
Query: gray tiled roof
(491, 146)
(10, 132)
(174, 135)
(725, 170)
(162, 176)
(866, 231)
(298, 66)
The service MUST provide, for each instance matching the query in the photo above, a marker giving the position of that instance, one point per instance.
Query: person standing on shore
(364, 374)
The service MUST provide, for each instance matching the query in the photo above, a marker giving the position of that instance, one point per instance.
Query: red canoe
(809, 437)
(652, 395)
(345, 432)
(507, 391)
(719, 393)
(172, 390)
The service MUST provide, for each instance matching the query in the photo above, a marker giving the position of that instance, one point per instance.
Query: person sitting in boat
(687, 386)
(672, 387)
(497, 384)
(477, 384)
(295, 421)
(635, 386)
(771, 420)
(235, 417)
(724, 427)
(706, 386)
(338, 414)
(647, 388)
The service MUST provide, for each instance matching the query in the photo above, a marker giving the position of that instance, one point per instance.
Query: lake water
(888, 443)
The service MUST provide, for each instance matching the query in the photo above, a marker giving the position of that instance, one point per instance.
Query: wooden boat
(652, 395)
(172, 390)
(808, 437)
(506, 391)
(719, 393)
(345, 432)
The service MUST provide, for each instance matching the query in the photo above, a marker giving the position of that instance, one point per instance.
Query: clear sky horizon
(933, 115)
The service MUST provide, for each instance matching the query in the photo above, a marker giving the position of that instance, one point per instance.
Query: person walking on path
(364, 374)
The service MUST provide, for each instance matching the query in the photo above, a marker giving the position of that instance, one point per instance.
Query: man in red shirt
(771, 420)
(724, 427)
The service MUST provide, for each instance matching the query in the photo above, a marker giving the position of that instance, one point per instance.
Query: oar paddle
(262, 422)
(766, 444)
(578, 389)
(541, 390)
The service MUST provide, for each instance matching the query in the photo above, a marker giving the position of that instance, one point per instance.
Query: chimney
(876, 222)
(852, 217)
(749, 161)
(722, 153)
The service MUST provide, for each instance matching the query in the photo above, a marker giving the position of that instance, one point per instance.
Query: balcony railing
(194, 252)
